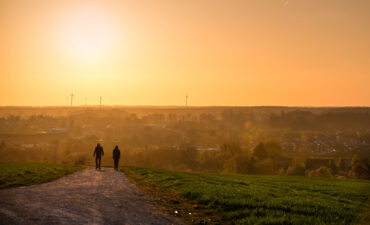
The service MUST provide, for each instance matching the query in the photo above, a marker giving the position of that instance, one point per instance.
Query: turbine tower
(101, 99)
(71, 99)
(186, 100)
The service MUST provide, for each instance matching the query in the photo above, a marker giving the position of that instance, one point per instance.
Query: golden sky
(230, 52)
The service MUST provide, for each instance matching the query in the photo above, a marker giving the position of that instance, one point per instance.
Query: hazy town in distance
(247, 140)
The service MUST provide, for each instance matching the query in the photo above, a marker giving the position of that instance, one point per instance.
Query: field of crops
(21, 174)
(251, 199)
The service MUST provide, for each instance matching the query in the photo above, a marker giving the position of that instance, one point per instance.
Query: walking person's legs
(96, 162)
(115, 164)
(99, 163)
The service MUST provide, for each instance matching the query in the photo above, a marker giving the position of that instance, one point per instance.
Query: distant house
(27, 146)
(202, 148)
(57, 130)
(313, 164)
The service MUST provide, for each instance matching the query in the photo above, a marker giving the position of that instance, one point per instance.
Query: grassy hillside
(20, 174)
(250, 199)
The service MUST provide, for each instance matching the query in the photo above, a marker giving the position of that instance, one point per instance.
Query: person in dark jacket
(98, 153)
(116, 156)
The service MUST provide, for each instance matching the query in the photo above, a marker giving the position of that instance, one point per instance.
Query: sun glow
(155, 52)
(88, 34)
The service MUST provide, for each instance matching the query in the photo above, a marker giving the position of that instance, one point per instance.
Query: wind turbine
(186, 100)
(71, 99)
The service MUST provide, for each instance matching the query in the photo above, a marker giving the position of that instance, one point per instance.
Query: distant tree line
(231, 140)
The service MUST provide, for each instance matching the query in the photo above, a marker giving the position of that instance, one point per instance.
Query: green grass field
(252, 199)
(21, 174)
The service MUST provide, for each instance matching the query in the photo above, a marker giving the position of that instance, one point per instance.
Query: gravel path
(85, 197)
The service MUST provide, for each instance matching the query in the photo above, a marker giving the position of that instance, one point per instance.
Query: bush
(281, 172)
(296, 170)
(359, 170)
(266, 166)
(321, 172)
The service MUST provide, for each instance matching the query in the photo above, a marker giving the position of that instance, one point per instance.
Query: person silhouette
(116, 156)
(98, 153)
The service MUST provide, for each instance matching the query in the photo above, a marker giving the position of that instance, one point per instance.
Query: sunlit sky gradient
(231, 52)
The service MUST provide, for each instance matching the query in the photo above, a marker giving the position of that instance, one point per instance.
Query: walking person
(116, 156)
(98, 153)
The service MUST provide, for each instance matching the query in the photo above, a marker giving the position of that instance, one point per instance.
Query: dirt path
(85, 197)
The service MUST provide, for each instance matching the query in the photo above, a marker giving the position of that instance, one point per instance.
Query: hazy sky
(231, 52)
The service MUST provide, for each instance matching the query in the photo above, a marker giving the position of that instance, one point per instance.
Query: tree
(333, 167)
(260, 152)
(273, 149)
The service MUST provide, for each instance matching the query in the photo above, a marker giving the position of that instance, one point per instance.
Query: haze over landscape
(280, 52)
(184, 112)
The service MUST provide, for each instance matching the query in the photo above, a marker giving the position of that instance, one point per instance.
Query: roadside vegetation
(22, 174)
(261, 199)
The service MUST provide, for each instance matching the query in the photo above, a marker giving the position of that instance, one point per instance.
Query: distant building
(24, 146)
(203, 148)
(58, 131)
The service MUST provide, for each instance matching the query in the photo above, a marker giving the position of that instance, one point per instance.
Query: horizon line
(181, 106)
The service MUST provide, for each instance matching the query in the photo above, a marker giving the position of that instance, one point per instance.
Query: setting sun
(296, 53)
(88, 34)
